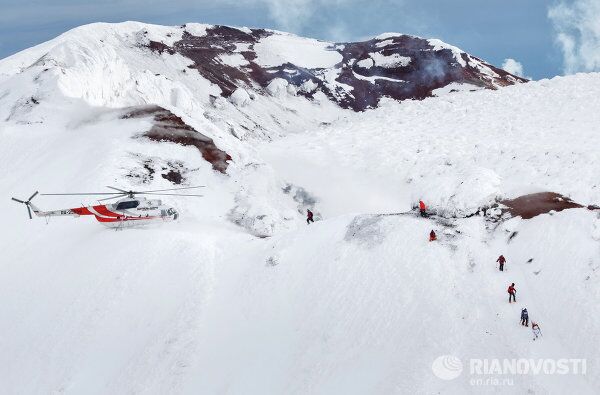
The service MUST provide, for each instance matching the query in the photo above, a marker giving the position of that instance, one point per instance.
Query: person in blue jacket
(524, 317)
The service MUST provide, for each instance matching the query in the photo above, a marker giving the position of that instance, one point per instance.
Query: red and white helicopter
(128, 211)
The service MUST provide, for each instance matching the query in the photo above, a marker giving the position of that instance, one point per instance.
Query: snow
(380, 60)
(240, 97)
(309, 86)
(241, 47)
(455, 87)
(535, 137)
(245, 29)
(385, 36)
(391, 61)
(376, 77)
(384, 43)
(276, 50)
(340, 89)
(240, 295)
(457, 52)
(366, 63)
(277, 87)
(197, 29)
(233, 60)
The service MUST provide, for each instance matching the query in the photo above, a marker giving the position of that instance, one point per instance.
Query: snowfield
(280, 49)
(241, 296)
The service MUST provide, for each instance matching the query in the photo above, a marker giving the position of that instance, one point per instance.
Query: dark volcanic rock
(169, 127)
(529, 206)
(360, 80)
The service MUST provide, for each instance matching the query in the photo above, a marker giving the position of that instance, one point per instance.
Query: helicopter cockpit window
(128, 205)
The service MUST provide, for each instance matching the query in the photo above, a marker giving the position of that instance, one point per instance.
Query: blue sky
(493, 30)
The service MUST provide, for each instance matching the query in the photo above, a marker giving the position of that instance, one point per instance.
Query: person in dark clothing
(432, 236)
(501, 260)
(512, 293)
(309, 217)
(524, 317)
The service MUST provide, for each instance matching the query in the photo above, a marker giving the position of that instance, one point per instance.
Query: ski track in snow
(354, 303)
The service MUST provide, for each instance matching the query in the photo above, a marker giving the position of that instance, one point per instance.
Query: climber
(432, 236)
(511, 293)
(309, 217)
(422, 208)
(501, 260)
(524, 317)
(536, 330)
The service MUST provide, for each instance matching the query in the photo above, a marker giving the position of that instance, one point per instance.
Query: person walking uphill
(309, 217)
(535, 328)
(524, 317)
(501, 260)
(511, 293)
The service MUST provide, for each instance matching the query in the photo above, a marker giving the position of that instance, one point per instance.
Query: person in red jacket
(501, 260)
(432, 236)
(422, 208)
(309, 217)
(511, 293)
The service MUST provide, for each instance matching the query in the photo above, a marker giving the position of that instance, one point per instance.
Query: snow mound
(391, 61)
(277, 50)
(240, 97)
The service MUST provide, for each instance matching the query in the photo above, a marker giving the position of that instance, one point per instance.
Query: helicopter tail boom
(39, 213)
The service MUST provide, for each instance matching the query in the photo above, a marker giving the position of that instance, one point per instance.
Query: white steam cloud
(513, 67)
(294, 15)
(291, 15)
(577, 26)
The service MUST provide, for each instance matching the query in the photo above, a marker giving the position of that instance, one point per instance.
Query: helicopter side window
(127, 205)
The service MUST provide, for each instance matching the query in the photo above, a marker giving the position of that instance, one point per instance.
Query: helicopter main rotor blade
(117, 189)
(32, 196)
(165, 194)
(72, 194)
(172, 189)
(17, 200)
(114, 197)
(29, 212)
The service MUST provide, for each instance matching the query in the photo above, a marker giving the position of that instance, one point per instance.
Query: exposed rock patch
(171, 128)
(532, 205)
(149, 167)
(304, 199)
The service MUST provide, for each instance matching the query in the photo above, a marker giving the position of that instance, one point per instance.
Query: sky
(534, 38)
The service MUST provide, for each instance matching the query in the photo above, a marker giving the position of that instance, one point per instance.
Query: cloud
(295, 15)
(338, 32)
(577, 27)
(513, 67)
(291, 15)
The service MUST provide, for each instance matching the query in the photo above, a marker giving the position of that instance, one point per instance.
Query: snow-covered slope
(360, 301)
(257, 81)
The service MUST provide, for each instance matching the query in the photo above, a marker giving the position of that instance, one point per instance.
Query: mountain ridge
(353, 75)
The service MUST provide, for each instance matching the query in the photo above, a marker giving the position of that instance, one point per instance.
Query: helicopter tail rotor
(27, 203)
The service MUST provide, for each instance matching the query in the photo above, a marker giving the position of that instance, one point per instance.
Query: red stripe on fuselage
(102, 210)
(82, 211)
(119, 219)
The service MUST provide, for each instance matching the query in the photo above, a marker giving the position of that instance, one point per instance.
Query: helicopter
(128, 211)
